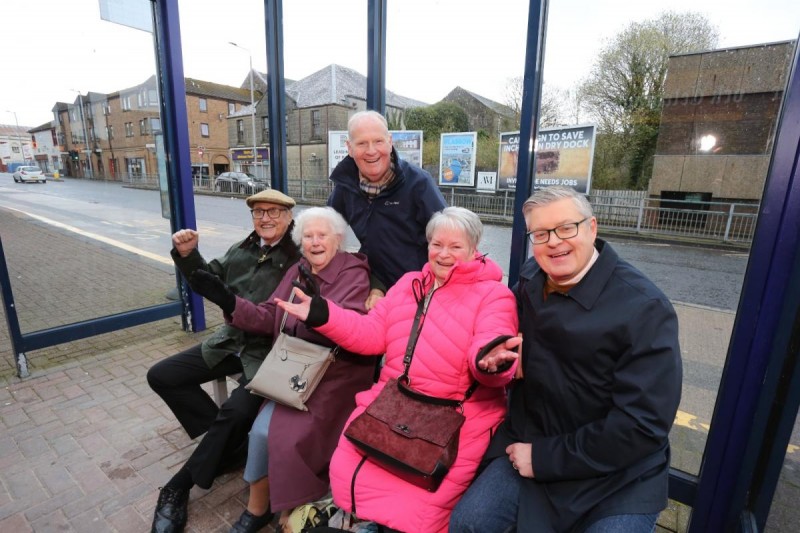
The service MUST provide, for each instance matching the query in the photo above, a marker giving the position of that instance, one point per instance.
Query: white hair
(457, 218)
(336, 222)
(361, 115)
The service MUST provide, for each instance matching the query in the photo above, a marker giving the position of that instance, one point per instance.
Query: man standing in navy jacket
(386, 201)
(585, 445)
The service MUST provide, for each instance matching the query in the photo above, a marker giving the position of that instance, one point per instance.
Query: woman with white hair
(466, 307)
(290, 450)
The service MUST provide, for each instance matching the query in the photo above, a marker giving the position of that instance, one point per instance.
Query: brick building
(321, 102)
(116, 135)
(718, 122)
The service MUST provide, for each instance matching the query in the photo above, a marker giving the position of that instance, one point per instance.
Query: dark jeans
(490, 504)
(177, 380)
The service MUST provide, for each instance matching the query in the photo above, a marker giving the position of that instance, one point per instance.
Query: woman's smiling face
(320, 244)
(447, 247)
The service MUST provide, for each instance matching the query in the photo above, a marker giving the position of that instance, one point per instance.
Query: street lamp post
(19, 137)
(252, 105)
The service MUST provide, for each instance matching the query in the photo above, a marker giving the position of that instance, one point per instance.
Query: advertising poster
(408, 144)
(564, 156)
(457, 159)
(337, 148)
(507, 165)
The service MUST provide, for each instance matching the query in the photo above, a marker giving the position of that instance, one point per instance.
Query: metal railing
(623, 211)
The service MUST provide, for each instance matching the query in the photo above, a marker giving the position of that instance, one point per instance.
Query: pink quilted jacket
(470, 309)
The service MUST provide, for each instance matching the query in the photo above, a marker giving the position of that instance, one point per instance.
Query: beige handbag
(292, 369)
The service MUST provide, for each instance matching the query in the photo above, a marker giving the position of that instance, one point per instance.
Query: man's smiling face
(370, 145)
(562, 259)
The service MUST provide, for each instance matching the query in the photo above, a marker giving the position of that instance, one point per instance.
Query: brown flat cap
(272, 196)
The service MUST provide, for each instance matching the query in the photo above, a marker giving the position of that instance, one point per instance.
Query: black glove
(318, 312)
(214, 289)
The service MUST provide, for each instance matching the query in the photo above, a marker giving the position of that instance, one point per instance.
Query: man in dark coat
(585, 445)
(387, 201)
(253, 268)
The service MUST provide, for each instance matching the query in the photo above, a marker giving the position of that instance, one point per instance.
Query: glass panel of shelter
(683, 164)
(78, 112)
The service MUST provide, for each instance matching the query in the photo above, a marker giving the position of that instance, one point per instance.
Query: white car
(23, 174)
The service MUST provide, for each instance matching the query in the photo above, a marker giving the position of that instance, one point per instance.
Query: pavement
(85, 444)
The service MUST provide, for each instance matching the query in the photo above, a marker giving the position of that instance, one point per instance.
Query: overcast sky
(55, 47)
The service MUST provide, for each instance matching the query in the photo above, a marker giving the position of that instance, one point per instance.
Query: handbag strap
(285, 314)
(404, 381)
(335, 349)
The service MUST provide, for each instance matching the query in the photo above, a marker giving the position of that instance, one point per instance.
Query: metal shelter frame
(759, 395)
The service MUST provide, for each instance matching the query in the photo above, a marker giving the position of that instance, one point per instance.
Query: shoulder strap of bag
(285, 314)
(335, 349)
(403, 381)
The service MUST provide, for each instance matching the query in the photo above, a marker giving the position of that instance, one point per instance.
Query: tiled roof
(11, 130)
(334, 84)
(217, 90)
(497, 107)
(46, 126)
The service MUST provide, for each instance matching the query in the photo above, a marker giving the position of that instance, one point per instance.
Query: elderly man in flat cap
(251, 267)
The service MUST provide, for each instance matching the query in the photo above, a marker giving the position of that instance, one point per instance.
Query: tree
(550, 109)
(436, 119)
(433, 120)
(624, 90)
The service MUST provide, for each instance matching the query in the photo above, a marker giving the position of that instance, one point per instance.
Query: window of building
(129, 129)
(155, 125)
(203, 105)
(265, 129)
(73, 114)
(240, 131)
(125, 102)
(106, 108)
(143, 127)
(316, 125)
(152, 97)
(231, 108)
(110, 131)
(204, 129)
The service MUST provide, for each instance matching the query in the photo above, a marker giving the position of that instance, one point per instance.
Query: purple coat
(301, 443)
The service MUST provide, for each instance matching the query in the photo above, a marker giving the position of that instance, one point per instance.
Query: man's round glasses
(563, 232)
(272, 212)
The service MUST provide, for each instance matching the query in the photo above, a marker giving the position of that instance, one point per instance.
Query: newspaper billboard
(337, 148)
(457, 159)
(564, 156)
(408, 144)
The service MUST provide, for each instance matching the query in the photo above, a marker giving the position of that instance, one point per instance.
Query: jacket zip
(353, 485)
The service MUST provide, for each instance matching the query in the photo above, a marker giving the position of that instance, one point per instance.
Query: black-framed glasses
(563, 232)
(272, 212)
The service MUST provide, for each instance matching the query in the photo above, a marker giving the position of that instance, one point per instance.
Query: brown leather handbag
(412, 435)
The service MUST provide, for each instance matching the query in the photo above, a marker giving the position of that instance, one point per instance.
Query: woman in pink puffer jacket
(469, 307)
